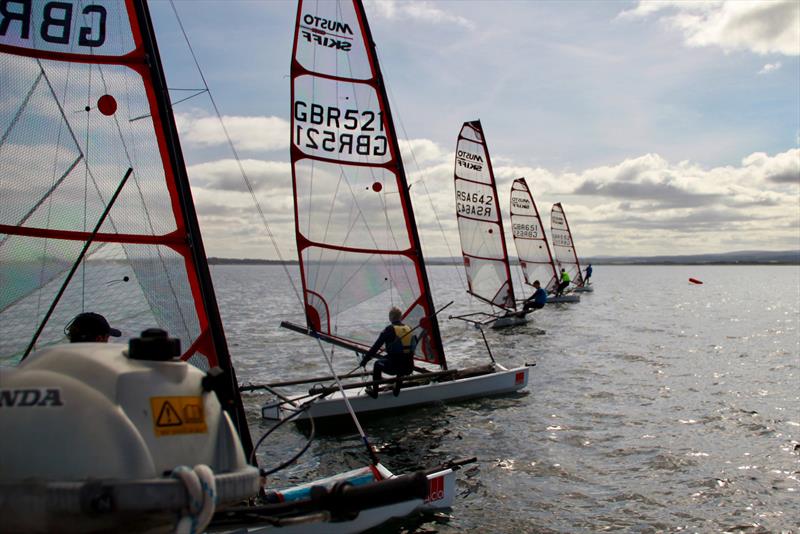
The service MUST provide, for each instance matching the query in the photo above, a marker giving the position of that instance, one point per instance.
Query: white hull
(441, 494)
(497, 383)
(584, 289)
(563, 299)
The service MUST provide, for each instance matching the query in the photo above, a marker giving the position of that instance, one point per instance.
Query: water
(655, 405)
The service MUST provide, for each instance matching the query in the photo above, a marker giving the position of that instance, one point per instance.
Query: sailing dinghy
(98, 215)
(530, 239)
(564, 248)
(480, 227)
(357, 243)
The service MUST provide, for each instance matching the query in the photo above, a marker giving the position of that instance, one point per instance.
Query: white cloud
(247, 133)
(634, 207)
(225, 175)
(769, 67)
(763, 27)
(417, 10)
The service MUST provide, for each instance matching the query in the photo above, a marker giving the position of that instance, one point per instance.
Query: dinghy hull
(499, 382)
(511, 320)
(564, 299)
(440, 496)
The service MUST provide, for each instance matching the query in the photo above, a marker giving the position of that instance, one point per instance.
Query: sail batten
(563, 246)
(530, 238)
(480, 222)
(357, 241)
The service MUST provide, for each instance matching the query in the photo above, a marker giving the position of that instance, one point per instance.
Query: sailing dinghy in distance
(564, 248)
(98, 435)
(531, 242)
(357, 242)
(480, 227)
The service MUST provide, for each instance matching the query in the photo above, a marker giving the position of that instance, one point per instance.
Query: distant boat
(695, 281)
(564, 248)
(531, 242)
(480, 227)
(357, 240)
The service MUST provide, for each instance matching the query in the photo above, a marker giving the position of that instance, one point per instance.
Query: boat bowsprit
(102, 437)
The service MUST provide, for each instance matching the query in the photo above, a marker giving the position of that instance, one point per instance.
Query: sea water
(655, 405)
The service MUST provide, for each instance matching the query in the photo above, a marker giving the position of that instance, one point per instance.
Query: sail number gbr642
(349, 132)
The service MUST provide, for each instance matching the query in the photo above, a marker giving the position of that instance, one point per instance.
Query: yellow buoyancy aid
(407, 341)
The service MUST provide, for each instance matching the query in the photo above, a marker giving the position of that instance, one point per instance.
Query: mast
(227, 391)
(433, 321)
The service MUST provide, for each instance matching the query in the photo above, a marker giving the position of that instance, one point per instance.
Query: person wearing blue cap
(90, 327)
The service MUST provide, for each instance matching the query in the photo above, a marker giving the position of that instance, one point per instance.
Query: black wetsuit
(398, 360)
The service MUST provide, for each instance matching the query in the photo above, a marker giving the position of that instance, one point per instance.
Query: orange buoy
(695, 281)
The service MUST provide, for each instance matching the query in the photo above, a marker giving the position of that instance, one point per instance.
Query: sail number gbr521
(339, 131)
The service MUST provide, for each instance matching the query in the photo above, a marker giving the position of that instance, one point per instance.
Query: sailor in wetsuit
(537, 300)
(565, 280)
(399, 358)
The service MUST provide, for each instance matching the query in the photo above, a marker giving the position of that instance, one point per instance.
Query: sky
(668, 127)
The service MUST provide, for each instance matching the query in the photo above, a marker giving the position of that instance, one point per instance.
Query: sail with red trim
(563, 247)
(529, 236)
(84, 101)
(480, 224)
(357, 240)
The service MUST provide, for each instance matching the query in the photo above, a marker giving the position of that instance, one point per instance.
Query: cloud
(421, 151)
(225, 175)
(666, 193)
(417, 10)
(770, 67)
(247, 133)
(783, 168)
(771, 27)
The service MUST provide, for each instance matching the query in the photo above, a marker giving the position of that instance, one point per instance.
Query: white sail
(529, 236)
(563, 247)
(480, 224)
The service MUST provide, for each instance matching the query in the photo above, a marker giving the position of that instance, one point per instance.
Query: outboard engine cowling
(92, 433)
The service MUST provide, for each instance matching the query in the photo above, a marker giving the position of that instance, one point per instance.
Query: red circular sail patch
(377, 186)
(107, 105)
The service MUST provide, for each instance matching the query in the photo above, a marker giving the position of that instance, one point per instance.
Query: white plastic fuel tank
(91, 435)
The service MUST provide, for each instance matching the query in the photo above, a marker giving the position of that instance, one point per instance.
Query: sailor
(90, 327)
(588, 274)
(565, 280)
(399, 359)
(537, 300)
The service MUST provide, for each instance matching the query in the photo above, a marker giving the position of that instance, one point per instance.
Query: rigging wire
(423, 178)
(251, 190)
(247, 181)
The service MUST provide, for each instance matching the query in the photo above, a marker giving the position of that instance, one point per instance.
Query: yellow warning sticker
(178, 415)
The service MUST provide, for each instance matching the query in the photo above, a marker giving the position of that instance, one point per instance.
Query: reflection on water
(655, 404)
